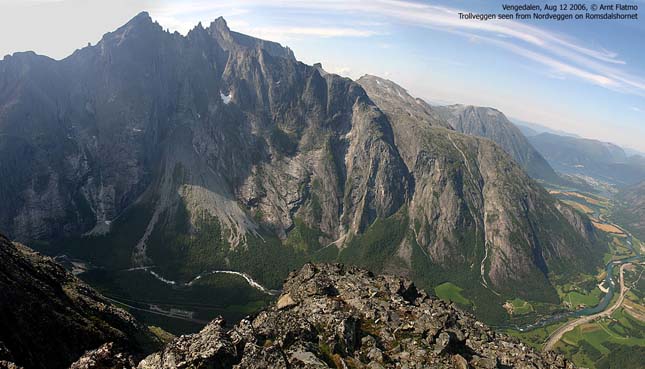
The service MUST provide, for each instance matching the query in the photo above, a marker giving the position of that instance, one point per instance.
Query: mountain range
(217, 150)
(533, 129)
(599, 160)
(493, 124)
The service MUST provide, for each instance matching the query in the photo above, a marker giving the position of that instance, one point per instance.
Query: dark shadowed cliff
(49, 318)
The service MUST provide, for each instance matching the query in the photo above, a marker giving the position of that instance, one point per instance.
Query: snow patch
(226, 99)
(100, 228)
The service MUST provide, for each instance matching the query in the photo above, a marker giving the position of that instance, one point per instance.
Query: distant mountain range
(493, 124)
(573, 155)
(532, 129)
(600, 160)
(217, 150)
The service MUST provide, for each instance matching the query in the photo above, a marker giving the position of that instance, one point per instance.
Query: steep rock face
(216, 150)
(216, 115)
(493, 124)
(48, 317)
(474, 209)
(334, 316)
(397, 101)
(84, 146)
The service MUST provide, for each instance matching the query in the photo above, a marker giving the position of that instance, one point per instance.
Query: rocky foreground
(49, 318)
(336, 316)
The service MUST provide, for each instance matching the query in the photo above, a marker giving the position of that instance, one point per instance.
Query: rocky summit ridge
(337, 316)
(48, 317)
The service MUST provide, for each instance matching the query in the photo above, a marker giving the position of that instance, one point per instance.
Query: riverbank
(558, 333)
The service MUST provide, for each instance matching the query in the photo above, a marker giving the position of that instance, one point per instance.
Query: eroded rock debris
(337, 316)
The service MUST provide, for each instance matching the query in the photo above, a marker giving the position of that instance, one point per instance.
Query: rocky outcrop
(48, 317)
(580, 222)
(108, 356)
(340, 317)
(210, 348)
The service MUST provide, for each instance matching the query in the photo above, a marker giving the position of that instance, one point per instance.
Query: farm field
(616, 341)
(451, 292)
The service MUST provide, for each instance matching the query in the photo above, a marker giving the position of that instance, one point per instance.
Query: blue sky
(584, 77)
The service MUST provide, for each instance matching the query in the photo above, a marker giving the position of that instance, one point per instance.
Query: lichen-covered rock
(345, 317)
(9, 365)
(108, 356)
(210, 348)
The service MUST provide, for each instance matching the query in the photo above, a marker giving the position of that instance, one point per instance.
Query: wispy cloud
(282, 33)
(181, 17)
(564, 56)
(637, 109)
(342, 70)
(560, 68)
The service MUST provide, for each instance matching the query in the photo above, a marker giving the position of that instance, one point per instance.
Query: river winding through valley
(609, 283)
(245, 276)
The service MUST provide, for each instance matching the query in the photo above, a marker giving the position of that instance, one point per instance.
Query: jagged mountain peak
(319, 67)
(219, 29)
(141, 28)
(220, 25)
(141, 20)
(142, 17)
(228, 39)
